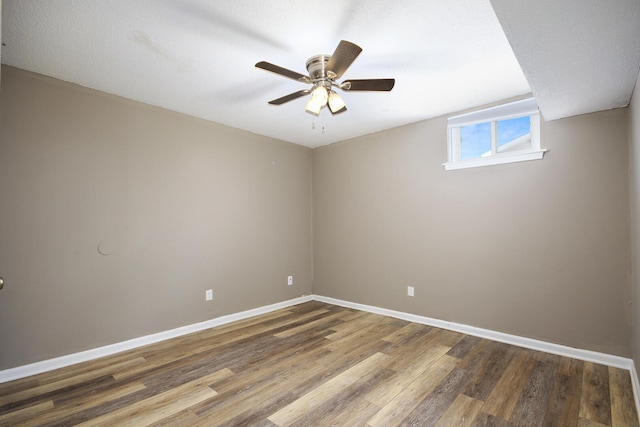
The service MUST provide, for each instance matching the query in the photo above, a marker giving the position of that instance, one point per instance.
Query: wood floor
(316, 364)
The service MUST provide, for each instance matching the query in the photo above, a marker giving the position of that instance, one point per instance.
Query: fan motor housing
(316, 66)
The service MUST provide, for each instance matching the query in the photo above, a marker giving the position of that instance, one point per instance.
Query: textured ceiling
(197, 57)
(578, 56)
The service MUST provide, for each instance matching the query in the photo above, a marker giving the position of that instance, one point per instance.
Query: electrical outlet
(290, 280)
(208, 295)
(410, 291)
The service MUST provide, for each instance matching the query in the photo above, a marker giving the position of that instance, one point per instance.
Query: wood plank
(104, 408)
(488, 370)
(505, 394)
(475, 355)
(407, 332)
(586, 423)
(595, 401)
(309, 325)
(326, 368)
(319, 395)
(445, 337)
(119, 360)
(69, 391)
(394, 412)
(246, 407)
(350, 315)
(563, 408)
(434, 405)
(374, 331)
(462, 412)
(83, 403)
(307, 341)
(179, 419)
(464, 346)
(25, 415)
(623, 412)
(348, 406)
(532, 405)
(487, 420)
(79, 378)
(158, 407)
(19, 385)
(360, 322)
(405, 353)
(356, 415)
(390, 389)
(287, 371)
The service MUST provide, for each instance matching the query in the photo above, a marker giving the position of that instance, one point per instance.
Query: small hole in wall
(106, 248)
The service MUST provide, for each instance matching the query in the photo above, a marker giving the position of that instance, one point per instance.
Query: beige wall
(0, 39)
(538, 249)
(181, 205)
(178, 204)
(634, 156)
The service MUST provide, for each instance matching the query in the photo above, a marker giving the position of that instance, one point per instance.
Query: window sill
(495, 160)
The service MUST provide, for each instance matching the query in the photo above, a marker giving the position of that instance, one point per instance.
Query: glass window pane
(514, 134)
(475, 141)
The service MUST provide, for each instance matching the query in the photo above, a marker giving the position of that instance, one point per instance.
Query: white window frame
(511, 110)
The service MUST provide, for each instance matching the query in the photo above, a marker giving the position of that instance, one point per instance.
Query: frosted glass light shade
(320, 95)
(336, 104)
(313, 107)
(318, 99)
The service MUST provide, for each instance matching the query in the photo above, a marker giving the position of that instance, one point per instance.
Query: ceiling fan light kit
(323, 71)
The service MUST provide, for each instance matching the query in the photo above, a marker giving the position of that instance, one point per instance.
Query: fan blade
(369, 84)
(283, 71)
(290, 97)
(342, 58)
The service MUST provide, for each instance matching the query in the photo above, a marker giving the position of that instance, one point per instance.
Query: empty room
(353, 213)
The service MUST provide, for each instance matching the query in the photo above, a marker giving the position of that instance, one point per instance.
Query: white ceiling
(197, 57)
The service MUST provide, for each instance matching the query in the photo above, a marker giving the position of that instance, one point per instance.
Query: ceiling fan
(323, 71)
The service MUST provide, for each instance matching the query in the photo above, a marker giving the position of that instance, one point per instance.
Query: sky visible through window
(476, 139)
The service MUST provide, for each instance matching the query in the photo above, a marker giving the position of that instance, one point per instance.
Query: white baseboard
(84, 356)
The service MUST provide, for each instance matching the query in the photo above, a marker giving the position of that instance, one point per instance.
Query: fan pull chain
(313, 125)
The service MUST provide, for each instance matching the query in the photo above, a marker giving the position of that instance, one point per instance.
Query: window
(503, 134)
